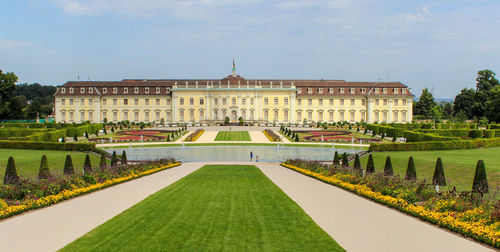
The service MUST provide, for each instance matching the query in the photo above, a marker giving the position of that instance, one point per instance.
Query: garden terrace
(138, 135)
(218, 207)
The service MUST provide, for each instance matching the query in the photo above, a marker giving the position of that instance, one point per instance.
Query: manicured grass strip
(28, 161)
(459, 165)
(217, 208)
(233, 136)
(233, 144)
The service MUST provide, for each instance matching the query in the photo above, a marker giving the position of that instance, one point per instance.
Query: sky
(436, 44)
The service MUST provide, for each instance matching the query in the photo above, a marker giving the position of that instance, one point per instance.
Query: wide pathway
(53, 227)
(358, 224)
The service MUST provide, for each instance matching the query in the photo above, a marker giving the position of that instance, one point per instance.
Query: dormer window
(309, 90)
(320, 90)
(352, 90)
(157, 90)
(341, 90)
(146, 90)
(403, 91)
(82, 90)
(396, 91)
(115, 90)
(363, 90)
(63, 90)
(384, 90)
(104, 90)
(70, 90)
(299, 90)
(125, 90)
(136, 90)
(376, 90)
(168, 90)
(330, 90)
(91, 90)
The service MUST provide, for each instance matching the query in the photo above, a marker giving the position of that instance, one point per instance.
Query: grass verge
(233, 136)
(218, 207)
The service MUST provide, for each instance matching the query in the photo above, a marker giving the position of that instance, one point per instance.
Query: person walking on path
(251, 156)
(256, 158)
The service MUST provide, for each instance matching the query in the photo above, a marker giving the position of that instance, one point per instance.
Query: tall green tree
(494, 105)
(7, 87)
(425, 104)
(485, 82)
(464, 102)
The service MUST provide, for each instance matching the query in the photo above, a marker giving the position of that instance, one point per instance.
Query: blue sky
(436, 44)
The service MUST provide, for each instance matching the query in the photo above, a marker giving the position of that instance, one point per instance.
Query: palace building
(211, 101)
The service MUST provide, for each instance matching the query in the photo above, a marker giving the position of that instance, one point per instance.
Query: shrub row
(456, 125)
(493, 126)
(411, 136)
(436, 145)
(472, 133)
(47, 146)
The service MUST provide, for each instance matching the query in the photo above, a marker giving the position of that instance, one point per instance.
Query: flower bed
(472, 223)
(32, 202)
(271, 135)
(195, 135)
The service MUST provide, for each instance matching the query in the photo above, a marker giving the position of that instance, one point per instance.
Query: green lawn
(217, 208)
(28, 161)
(459, 165)
(233, 136)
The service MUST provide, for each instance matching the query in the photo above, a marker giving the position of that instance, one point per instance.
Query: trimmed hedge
(436, 145)
(48, 146)
(411, 136)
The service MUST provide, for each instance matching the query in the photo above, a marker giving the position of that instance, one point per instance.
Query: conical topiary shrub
(357, 163)
(336, 158)
(480, 183)
(345, 161)
(68, 166)
(102, 162)
(411, 173)
(87, 166)
(75, 137)
(388, 167)
(296, 137)
(370, 167)
(439, 178)
(11, 173)
(114, 159)
(124, 158)
(44, 172)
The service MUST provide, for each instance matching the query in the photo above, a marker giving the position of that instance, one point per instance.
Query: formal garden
(233, 136)
(330, 134)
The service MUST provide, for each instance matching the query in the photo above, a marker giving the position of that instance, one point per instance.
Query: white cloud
(420, 16)
(13, 44)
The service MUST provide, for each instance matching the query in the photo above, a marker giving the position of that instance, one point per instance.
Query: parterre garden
(233, 136)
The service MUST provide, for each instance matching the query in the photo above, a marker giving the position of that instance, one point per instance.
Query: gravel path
(51, 228)
(358, 224)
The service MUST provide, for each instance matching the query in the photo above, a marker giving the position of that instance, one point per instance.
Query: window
(363, 102)
(363, 90)
(266, 101)
(377, 102)
(320, 90)
(310, 102)
(125, 90)
(320, 102)
(266, 115)
(275, 116)
(353, 102)
(82, 116)
(168, 116)
(396, 91)
(115, 90)
(202, 115)
(70, 90)
(191, 101)
(243, 101)
(104, 90)
(251, 115)
(403, 116)
(125, 115)
(115, 102)
(146, 90)
(384, 90)
(136, 101)
(224, 101)
(157, 90)
(191, 115)
(91, 102)
(181, 101)
(285, 115)
(331, 102)
(286, 101)
(363, 115)
(341, 116)
(63, 90)
(309, 90)
(168, 102)
(404, 102)
(385, 116)
(136, 116)
(275, 101)
(341, 102)
(376, 90)
(202, 101)
(104, 115)
(115, 116)
(299, 90)
(385, 102)
(352, 116)
(157, 114)
(82, 90)
(330, 116)
(215, 101)
(352, 90)
(330, 90)
(403, 90)
(136, 90)
(168, 90)
(146, 116)
(82, 102)
(320, 116)
(157, 102)
(70, 101)
(396, 102)
(299, 102)
(251, 101)
(91, 116)
(299, 116)
(104, 101)
(63, 101)
(71, 116)
(147, 102)
(309, 115)
(125, 101)
(233, 101)
(377, 116)
(395, 117)
(341, 90)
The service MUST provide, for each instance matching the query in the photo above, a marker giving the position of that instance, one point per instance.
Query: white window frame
(125, 90)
